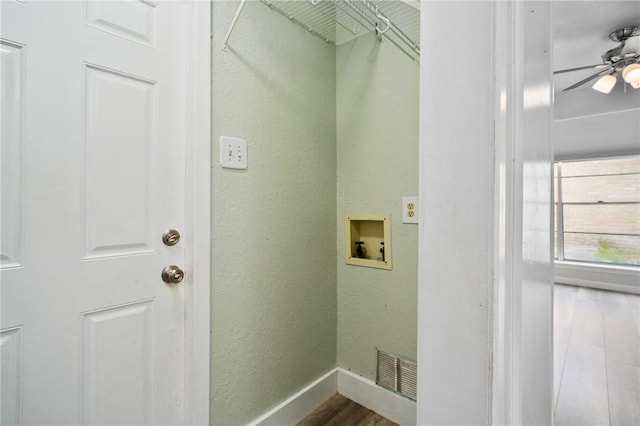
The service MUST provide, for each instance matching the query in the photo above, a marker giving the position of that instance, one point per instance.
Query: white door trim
(506, 407)
(198, 198)
(516, 88)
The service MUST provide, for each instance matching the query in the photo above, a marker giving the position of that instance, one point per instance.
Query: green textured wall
(273, 300)
(377, 145)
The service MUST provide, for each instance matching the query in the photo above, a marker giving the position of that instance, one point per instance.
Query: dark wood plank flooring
(341, 411)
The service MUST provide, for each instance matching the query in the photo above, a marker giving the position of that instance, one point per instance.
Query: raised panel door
(93, 172)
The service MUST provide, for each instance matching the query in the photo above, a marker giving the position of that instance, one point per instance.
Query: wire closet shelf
(335, 20)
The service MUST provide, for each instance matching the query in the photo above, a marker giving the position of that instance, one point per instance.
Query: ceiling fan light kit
(631, 74)
(605, 83)
(613, 61)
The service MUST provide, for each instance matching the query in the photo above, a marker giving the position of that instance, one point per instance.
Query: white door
(93, 125)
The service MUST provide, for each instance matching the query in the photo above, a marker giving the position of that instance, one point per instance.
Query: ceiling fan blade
(588, 79)
(581, 68)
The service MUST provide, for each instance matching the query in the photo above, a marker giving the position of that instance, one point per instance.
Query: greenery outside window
(597, 210)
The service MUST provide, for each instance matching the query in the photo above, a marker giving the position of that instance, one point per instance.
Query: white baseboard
(604, 277)
(386, 403)
(365, 392)
(302, 403)
(600, 285)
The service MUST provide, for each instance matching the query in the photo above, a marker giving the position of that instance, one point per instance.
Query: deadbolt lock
(172, 274)
(171, 237)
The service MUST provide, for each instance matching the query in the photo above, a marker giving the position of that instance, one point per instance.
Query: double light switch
(233, 153)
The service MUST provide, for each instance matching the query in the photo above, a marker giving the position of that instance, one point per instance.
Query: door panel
(119, 176)
(135, 20)
(10, 363)
(12, 109)
(93, 172)
(116, 341)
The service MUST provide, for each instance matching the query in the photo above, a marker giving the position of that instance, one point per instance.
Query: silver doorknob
(172, 274)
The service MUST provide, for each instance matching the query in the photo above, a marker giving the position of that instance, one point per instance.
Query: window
(597, 210)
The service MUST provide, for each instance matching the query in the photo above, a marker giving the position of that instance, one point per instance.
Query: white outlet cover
(233, 153)
(409, 215)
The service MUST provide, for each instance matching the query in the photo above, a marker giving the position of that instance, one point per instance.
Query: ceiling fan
(613, 62)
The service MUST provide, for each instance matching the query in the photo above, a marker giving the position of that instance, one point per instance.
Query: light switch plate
(409, 209)
(233, 153)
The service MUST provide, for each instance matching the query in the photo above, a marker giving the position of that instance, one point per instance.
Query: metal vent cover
(397, 374)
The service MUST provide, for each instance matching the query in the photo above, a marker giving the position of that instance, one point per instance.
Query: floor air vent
(397, 374)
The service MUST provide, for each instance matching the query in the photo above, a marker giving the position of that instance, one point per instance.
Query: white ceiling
(589, 123)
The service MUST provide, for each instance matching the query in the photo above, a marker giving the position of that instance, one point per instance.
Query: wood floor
(596, 357)
(341, 411)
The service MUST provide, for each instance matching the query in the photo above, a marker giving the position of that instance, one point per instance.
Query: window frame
(558, 202)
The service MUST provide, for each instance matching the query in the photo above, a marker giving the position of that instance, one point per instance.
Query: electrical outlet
(409, 209)
(233, 153)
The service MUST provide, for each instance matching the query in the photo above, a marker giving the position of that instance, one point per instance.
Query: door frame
(198, 212)
(517, 88)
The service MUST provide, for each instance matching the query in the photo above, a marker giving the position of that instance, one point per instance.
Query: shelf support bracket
(225, 45)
